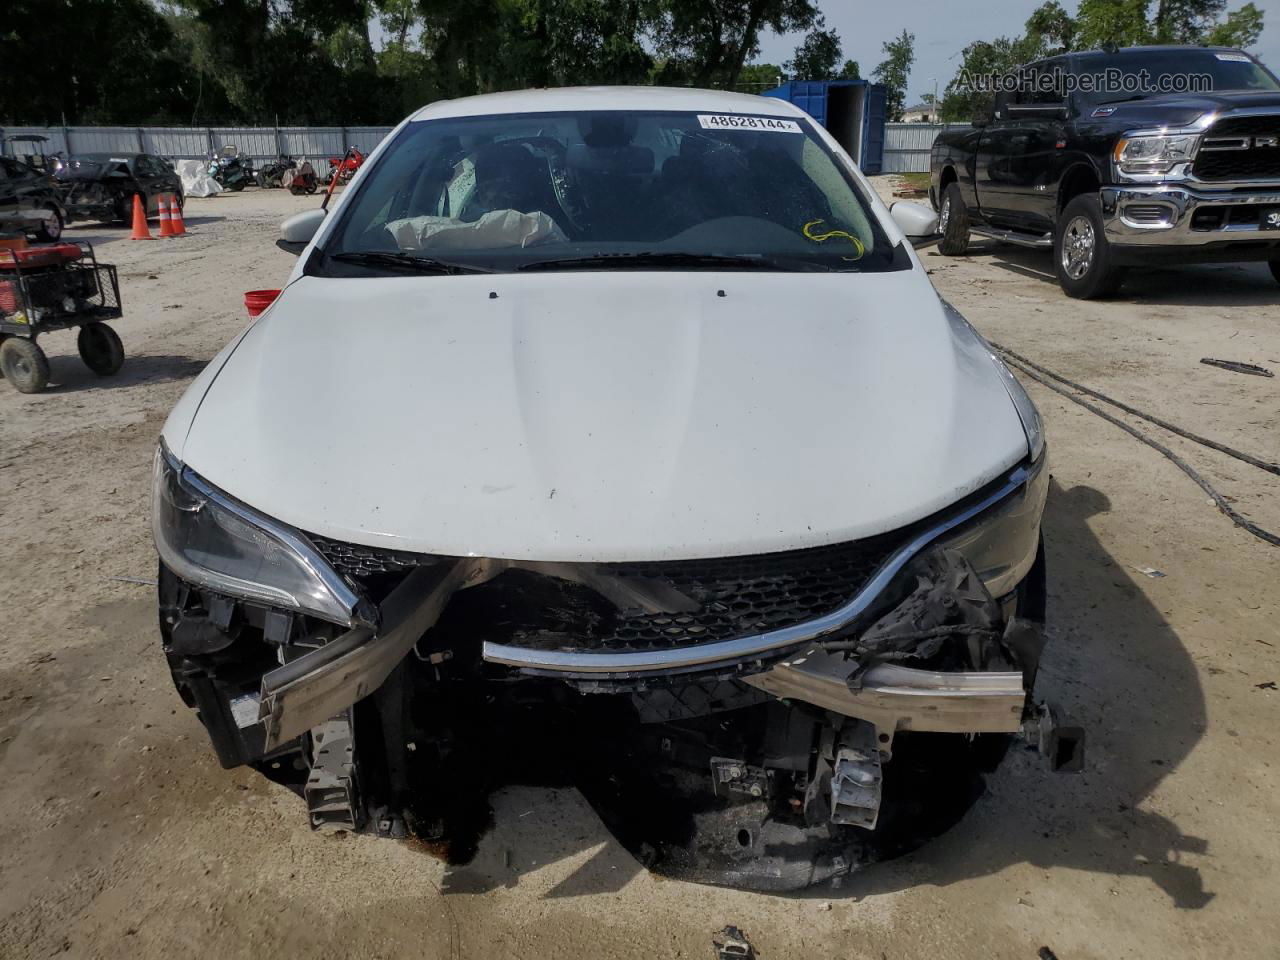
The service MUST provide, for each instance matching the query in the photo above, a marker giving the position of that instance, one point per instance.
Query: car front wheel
(1082, 253)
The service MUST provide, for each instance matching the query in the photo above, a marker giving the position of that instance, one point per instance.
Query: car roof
(608, 98)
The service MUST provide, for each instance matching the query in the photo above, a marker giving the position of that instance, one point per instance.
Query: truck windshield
(1138, 74)
(615, 190)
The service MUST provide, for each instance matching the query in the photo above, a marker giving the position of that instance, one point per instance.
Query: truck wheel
(50, 230)
(953, 222)
(1081, 252)
(24, 364)
(100, 349)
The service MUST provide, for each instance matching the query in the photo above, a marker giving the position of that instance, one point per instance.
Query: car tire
(24, 364)
(953, 222)
(100, 349)
(47, 235)
(1081, 252)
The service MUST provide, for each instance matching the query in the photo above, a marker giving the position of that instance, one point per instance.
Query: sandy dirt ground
(123, 837)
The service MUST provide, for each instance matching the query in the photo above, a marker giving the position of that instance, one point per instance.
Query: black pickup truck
(1091, 158)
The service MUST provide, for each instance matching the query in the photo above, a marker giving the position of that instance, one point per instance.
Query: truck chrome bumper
(1177, 216)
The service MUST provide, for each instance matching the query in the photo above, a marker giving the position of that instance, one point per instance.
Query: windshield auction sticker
(724, 121)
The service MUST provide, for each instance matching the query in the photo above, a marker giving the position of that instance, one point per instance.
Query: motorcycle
(230, 170)
(342, 169)
(300, 179)
(273, 174)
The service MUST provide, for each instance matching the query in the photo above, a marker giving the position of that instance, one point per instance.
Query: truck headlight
(1157, 153)
(1001, 542)
(211, 540)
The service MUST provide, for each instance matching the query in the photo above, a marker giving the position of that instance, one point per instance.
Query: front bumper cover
(1194, 222)
(312, 688)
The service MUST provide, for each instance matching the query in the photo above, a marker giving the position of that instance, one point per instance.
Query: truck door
(997, 147)
(1038, 118)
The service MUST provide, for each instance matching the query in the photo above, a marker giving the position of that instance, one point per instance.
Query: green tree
(1242, 28)
(706, 43)
(850, 71)
(1112, 23)
(817, 55)
(1051, 29)
(894, 72)
(759, 76)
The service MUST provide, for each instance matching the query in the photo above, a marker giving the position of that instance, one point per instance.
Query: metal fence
(907, 145)
(194, 143)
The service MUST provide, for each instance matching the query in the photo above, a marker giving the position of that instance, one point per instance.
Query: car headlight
(211, 540)
(1157, 153)
(1001, 542)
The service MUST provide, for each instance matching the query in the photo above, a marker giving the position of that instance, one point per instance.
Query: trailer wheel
(24, 364)
(953, 222)
(50, 230)
(100, 349)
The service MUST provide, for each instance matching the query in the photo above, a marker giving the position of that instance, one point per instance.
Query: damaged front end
(766, 721)
(94, 189)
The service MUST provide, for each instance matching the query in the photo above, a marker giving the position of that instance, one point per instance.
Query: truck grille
(735, 596)
(1241, 148)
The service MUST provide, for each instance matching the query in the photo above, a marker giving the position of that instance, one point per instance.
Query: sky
(944, 27)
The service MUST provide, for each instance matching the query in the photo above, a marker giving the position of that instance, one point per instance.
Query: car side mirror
(297, 231)
(917, 222)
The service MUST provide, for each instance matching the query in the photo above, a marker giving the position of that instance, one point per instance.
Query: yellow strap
(845, 234)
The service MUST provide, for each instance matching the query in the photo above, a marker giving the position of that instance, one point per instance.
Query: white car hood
(603, 416)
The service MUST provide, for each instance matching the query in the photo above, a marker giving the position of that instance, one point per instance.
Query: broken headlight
(215, 542)
(1001, 542)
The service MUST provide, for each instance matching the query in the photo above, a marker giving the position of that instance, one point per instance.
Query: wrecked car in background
(660, 470)
(101, 186)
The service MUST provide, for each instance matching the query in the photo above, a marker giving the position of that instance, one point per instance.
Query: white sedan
(612, 436)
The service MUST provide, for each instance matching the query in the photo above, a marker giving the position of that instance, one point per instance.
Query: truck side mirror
(917, 222)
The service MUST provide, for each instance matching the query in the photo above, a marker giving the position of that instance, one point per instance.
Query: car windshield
(617, 190)
(1124, 76)
(88, 168)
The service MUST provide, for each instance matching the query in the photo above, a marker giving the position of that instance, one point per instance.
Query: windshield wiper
(406, 261)
(645, 259)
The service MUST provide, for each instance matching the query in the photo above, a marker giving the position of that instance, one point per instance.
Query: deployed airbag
(497, 228)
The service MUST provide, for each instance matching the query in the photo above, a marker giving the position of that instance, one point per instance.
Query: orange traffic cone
(166, 223)
(175, 214)
(140, 231)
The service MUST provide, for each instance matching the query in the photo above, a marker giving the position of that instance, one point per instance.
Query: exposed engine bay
(768, 722)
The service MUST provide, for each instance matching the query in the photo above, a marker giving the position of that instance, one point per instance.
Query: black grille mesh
(746, 595)
(360, 562)
(1255, 163)
(736, 596)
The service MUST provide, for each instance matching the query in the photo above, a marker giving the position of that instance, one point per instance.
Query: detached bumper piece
(332, 790)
